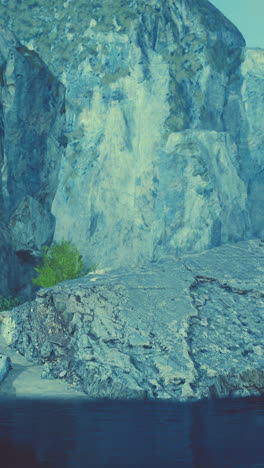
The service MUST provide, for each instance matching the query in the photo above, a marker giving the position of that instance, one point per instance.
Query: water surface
(114, 434)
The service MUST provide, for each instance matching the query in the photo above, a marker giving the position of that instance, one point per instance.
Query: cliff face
(159, 171)
(159, 126)
(252, 138)
(31, 122)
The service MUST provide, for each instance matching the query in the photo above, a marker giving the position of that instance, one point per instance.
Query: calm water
(215, 434)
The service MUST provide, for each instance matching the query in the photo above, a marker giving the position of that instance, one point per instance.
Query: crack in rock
(225, 339)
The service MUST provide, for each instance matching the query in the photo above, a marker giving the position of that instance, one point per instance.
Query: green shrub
(7, 303)
(60, 262)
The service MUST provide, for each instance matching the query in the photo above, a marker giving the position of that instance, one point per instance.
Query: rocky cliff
(156, 152)
(163, 135)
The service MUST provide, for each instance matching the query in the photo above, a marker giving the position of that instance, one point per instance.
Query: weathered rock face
(181, 328)
(252, 136)
(173, 71)
(156, 126)
(31, 124)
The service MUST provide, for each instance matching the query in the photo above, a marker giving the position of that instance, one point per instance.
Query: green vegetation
(7, 303)
(60, 262)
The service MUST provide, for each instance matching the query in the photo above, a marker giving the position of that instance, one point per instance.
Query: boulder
(182, 328)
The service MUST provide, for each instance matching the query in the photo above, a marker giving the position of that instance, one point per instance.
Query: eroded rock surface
(183, 328)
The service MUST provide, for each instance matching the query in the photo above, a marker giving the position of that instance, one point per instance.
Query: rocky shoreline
(183, 328)
(20, 378)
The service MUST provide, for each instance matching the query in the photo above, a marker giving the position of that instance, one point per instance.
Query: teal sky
(248, 16)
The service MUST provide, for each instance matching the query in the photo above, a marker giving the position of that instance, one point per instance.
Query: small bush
(7, 303)
(60, 262)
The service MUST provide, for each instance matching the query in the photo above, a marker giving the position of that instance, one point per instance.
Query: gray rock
(252, 136)
(181, 328)
(160, 166)
(5, 366)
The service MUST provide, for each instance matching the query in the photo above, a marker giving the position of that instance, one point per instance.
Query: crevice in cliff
(201, 279)
(224, 339)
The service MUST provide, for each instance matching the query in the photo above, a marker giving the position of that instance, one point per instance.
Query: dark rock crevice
(30, 156)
